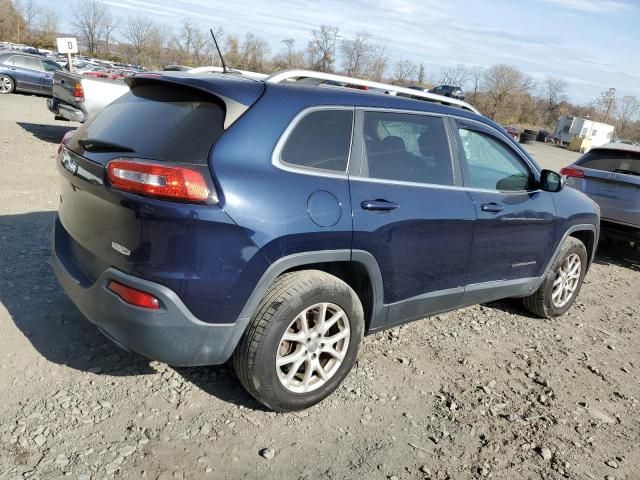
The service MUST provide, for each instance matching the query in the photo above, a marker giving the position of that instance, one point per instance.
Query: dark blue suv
(211, 217)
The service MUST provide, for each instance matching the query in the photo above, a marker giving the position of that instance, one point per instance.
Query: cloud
(593, 6)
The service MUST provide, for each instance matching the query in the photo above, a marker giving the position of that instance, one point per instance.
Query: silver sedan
(610, 175)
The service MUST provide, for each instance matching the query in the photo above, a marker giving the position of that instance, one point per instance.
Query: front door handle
(379, 205)
(491, 207)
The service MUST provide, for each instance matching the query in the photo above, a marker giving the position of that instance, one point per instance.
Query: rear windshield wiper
(97, 145)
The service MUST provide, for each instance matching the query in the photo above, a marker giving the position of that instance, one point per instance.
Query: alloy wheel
(5, 85)
(313, 347)
(567, 280)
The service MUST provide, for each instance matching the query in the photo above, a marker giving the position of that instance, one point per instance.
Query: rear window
(612, 161)
(320, 140)
(160, 122)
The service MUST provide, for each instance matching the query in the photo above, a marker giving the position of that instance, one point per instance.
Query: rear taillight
(572, 172)
(160, 181)
(78, 92)
(65, 140)
(134, 297)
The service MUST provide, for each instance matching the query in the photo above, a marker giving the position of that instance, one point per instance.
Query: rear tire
(562, 283)
(7, 85)
(289, 358)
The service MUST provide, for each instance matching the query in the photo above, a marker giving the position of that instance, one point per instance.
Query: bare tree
(503, 84)
(11, 22)
(377, 62)
(474, 77)
(88, 19)
(30, 12)
(626, 110)
(361, 57)
(109, 25)
(232, 54)
(404, 71)
(554, 93)
(421, 75)
(289, 57)
(356, 53)
(201, 45)
(321, 49)
(139, 32)
(456, 76)
(253, 52)
(606, 104)
(48, 26)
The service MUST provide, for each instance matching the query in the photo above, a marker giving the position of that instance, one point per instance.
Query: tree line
(502, 92)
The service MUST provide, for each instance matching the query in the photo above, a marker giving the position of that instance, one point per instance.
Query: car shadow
(621, 254)
(47, 133)
(56, 329)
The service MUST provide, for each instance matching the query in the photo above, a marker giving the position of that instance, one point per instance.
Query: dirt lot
(486, 392)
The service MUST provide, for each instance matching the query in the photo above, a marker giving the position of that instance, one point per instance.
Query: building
(596, 133)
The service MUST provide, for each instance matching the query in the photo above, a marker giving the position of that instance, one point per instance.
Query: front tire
(7, 85)
(302, 341)
(562, 283)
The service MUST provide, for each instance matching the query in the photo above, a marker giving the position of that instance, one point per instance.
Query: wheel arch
(358, 269)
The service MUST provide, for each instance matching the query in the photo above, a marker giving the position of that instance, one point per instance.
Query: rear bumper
(171, 334)
(65, 111)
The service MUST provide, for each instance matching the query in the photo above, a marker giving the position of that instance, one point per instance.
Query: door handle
(491, 207)
(379, 205)
(12, 69)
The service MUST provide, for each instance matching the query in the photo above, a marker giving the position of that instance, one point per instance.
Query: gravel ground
(485, 392)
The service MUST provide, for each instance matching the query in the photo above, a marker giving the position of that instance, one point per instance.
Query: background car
(610, 175)
(449, 91)
(26, 73)
(513, 132)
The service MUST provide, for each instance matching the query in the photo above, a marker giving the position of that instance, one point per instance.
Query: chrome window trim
(276, 156)
(277, 161)
(439, 186)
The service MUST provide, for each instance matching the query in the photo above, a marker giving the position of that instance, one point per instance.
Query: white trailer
(596, 133)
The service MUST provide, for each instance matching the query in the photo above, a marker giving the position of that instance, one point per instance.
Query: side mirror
(551, 181)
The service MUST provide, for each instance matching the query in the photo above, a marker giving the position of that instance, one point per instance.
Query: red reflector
(160, 181)
(134, 297)
(572, 172)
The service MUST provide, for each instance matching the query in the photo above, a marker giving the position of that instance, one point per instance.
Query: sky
(592, 44)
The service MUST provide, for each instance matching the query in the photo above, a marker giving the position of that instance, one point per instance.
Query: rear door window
(160, 122)
(406, 147)
(321, 140)
(29, 63)
(612, 161)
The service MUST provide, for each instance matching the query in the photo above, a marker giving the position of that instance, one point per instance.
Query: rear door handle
(491, 207)
(379, 205)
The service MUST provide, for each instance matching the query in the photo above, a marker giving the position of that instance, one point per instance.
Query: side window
(50, 66)
(320, 140)
(492, 165)
(406, 147)
(25, 62)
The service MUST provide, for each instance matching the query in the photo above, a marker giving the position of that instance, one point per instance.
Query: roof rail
(246, 73)
(322, 77)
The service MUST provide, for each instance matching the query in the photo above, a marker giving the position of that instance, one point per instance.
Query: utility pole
(611, 96)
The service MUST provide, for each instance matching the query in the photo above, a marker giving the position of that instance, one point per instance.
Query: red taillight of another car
(572, 172)
(168, 182)
(134, 297)
(65, 140)
(78, 92)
